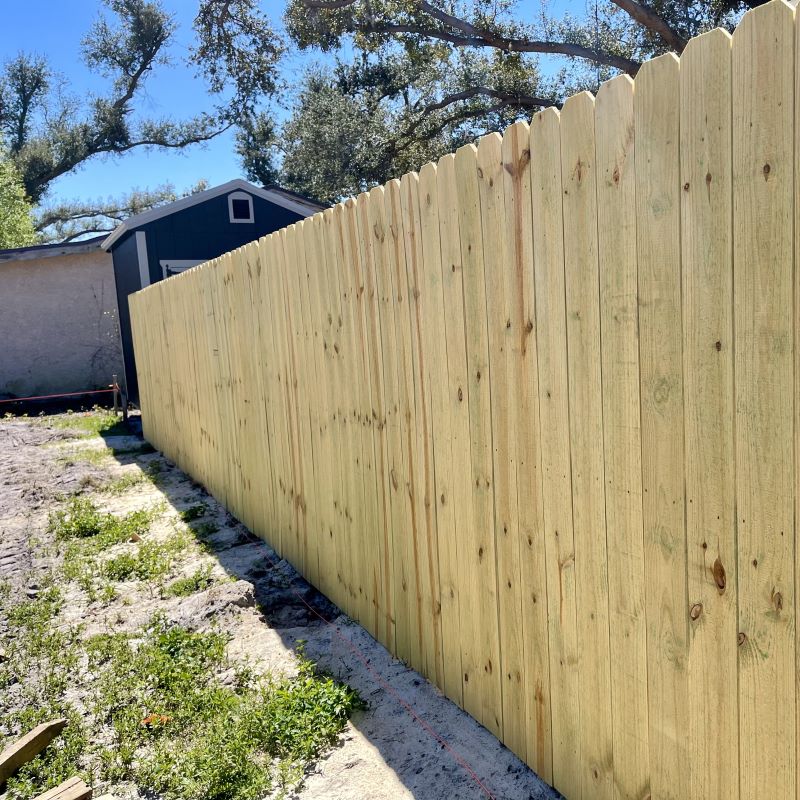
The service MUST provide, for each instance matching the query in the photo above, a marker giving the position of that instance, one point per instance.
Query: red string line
(384, 685)
(51, 396)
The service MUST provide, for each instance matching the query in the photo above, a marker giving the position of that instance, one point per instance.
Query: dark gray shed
(169, 239)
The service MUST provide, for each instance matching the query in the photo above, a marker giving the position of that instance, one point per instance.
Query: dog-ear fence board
(532, 417)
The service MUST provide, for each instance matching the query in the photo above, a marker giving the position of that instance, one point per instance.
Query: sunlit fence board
(530, 417)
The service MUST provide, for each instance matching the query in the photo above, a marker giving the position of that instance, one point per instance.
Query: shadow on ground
(388, 735)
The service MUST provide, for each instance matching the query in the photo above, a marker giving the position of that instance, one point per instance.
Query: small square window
(240, 207)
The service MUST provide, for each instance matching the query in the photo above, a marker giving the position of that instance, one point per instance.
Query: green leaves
(16, 221)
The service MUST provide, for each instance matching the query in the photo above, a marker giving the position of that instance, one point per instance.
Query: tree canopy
(16, 220)
(373, 88)
(50, 131)
(414, 79)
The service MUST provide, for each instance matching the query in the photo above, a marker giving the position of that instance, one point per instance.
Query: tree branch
(514, 45)
(649, 19)
(508, 98)
(464, 114)
(468, 35)
(328, 5)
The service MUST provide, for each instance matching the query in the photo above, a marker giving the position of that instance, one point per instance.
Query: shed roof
(280, 197)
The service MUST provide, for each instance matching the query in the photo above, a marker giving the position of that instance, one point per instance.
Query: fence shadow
(405, 713)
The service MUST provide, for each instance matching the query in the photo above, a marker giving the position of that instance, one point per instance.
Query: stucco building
(64, 323)
(59, 327)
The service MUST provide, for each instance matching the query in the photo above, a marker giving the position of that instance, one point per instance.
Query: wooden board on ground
(29, 746)
(72, 789)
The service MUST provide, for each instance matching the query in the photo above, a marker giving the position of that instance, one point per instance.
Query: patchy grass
(157, 713)
(125, 483)
(97, 456)
(81, 519)
(87, 532)
(197, 582)
(97, 422)
(150, 562)
(63, 757)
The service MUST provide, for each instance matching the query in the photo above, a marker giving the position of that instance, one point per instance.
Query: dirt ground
(385, 752)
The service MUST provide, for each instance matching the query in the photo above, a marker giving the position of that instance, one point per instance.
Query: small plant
(151, 562)
(194, 512)
(197, 582)
(83, 520)
(98, 456)
(61, 760)
(205, 529)
(155, 472)
(125, 483)
(36, 613)
(97, 422)
(158, 714)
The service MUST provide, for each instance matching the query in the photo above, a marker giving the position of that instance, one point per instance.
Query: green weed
(125, 483)
(197, 582)
(81, 519)
(98, 422)
(158, 715)
(194, 512)
(150, 562)
(62, 759)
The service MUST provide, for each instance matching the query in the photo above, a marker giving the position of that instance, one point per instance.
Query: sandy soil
(385, 753)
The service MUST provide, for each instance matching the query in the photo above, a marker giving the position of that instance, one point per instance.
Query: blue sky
(54, 28)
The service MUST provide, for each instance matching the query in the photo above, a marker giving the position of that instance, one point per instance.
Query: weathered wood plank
(27, 747)
(72, 789)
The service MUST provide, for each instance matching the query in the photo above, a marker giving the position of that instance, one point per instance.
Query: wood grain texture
(71, 789)
(707, 273)
(763, 194)
(619, 322)
(548, 264)
(28, 747)
(530, 417)
(657, 121)
(582, 287)
(481, 655)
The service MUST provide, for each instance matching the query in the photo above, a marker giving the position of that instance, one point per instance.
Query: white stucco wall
(58, 324)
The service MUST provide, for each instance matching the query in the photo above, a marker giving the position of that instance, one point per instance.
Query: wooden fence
(529, 416)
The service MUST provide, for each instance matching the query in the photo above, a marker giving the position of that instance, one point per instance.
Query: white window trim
(177, 265)
(144, 264)
(240, 196)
